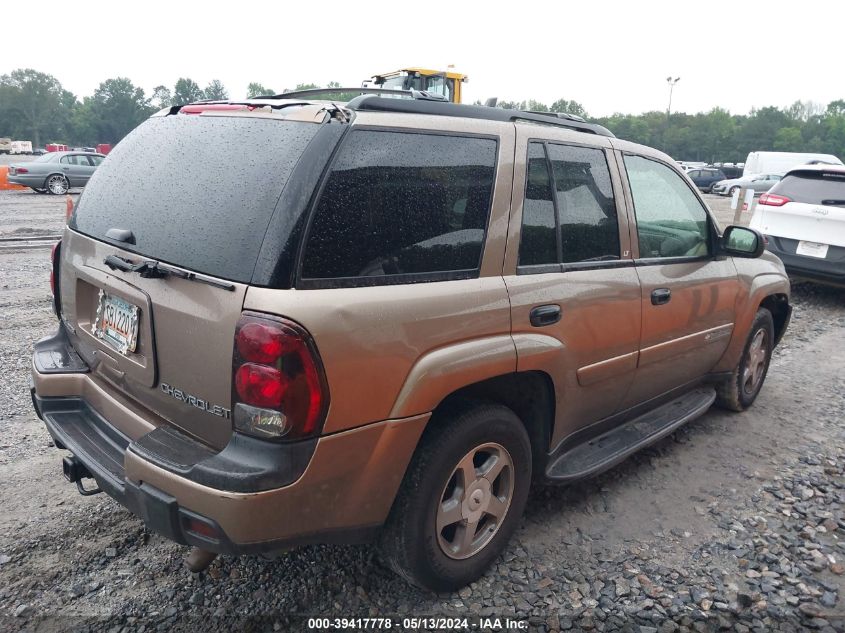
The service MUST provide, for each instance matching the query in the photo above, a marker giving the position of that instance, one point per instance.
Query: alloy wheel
(755, 363)
(475, 501)
(57, 184)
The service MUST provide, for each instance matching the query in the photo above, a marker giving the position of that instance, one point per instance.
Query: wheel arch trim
(440, 372)
(762, 288)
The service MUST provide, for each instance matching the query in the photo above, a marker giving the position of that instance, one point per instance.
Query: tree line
(718, 135)
(34, 106)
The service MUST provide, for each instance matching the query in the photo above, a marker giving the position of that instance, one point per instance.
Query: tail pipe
(199, 559)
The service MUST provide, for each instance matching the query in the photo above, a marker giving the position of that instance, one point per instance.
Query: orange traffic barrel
(4, 179)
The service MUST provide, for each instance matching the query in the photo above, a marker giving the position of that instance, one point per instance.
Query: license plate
(117, 323)
(812, 249)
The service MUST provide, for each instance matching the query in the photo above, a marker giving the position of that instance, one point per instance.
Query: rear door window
(589, 230)
(813, 187)
(196, 191)
(569, 213)
(538, 244)
(400, 207)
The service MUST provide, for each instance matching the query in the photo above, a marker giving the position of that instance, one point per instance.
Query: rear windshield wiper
(157, 270)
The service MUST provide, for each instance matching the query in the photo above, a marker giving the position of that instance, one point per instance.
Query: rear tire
(57, 184)
(739, 393)
(38, 190)
(462, 497)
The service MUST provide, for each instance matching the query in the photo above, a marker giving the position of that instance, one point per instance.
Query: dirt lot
(735, 522)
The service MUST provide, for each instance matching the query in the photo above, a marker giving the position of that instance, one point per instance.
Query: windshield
(402, 82)
(437, 84)
(195, 191)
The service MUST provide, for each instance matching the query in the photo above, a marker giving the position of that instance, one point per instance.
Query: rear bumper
(830, 270)
(27, 180)
(251, 497)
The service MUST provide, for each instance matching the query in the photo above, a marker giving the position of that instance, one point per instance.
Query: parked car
(375, 335)
(40, 151)
(687, 165)
(55, 172)
(760, 183)
(705, 178)
(803, 217)
(731, 170)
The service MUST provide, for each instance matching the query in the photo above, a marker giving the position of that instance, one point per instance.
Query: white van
(781, 162)
(21, 147)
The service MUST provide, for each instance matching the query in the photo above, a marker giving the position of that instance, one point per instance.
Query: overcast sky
(609, 56)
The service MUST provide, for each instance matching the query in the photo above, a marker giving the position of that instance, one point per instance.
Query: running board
(605, 451)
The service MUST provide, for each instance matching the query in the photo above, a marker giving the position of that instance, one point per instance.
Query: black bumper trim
(100, 447)
(55, 355)
(246, 464)
(830, 269)
(96, 443)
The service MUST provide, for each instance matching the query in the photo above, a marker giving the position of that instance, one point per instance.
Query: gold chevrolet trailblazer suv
(287, 320)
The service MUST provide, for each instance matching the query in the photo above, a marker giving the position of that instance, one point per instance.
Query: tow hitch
(74, 471)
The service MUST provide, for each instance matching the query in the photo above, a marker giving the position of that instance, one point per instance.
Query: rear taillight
(279, 388)
(21, 170)
(773, 200)
(260, 385)
(55, 261)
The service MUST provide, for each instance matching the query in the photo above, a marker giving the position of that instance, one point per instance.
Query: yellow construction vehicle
(442, 82)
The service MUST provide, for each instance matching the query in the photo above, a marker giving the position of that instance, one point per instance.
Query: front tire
(57, 184)
(739, 393)
(732, 190)
(462, 497)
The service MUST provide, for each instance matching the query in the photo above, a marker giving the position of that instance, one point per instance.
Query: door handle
(660, 296)
(545, 315)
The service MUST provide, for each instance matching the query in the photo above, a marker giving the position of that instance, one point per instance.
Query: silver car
(56, 172)
(760, 183)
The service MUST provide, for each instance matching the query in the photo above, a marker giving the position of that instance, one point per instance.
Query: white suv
(803, 217)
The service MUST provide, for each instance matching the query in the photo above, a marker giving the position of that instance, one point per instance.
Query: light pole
(671, 83)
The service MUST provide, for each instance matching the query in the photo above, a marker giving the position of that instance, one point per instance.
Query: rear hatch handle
(156, 270)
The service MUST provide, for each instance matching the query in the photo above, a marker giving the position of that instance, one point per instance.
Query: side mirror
(740, 241)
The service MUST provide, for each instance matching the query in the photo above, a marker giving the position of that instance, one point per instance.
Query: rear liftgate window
(401, 208)
(826, 188)
(196, 191)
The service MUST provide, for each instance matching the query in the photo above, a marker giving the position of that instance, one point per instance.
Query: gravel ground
(735, 522)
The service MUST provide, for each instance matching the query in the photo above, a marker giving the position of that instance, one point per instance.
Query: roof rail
(559, 115)
(374, 103)
(316, 92)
